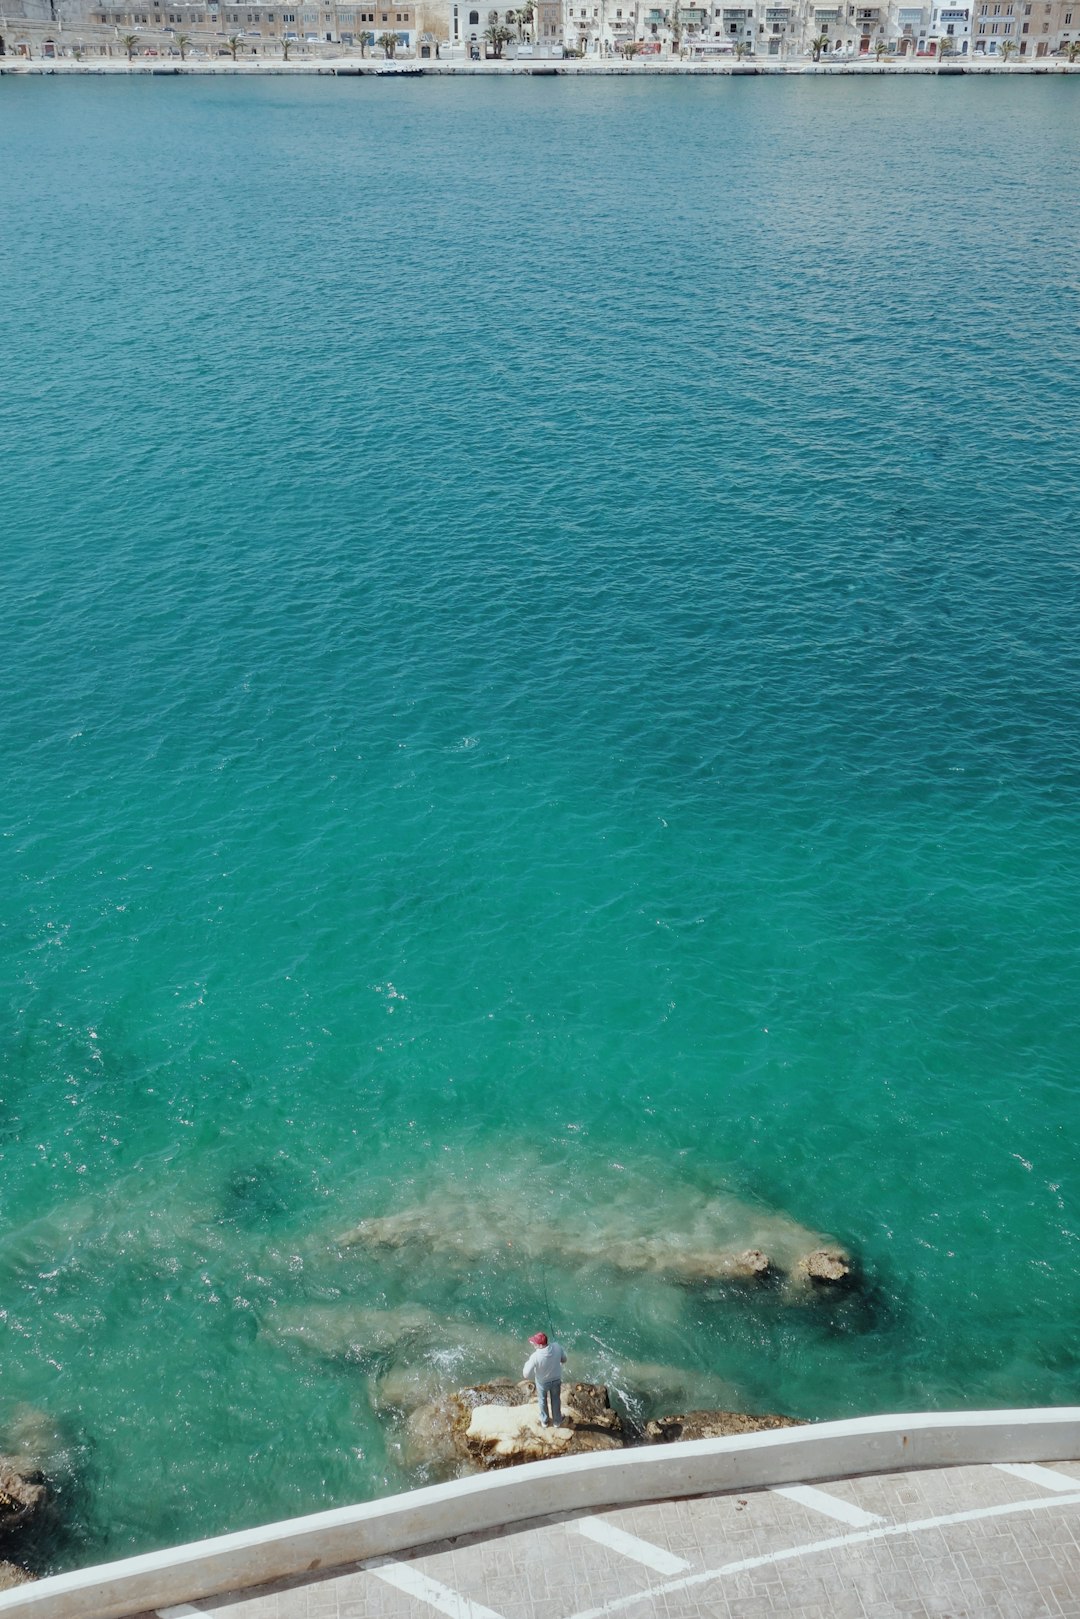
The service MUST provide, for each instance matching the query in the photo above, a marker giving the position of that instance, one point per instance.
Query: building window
(474, 18)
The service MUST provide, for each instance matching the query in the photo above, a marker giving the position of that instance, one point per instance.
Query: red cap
(539, 1338)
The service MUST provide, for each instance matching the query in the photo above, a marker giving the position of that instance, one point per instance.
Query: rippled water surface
(541, 666)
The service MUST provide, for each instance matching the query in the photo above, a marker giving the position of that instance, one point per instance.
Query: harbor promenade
(996, 1532)
(963, 1541)
(356, 67)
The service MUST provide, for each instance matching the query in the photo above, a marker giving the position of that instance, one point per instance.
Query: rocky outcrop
(12, 1575)
(824, 1268)
(711, 1425)
(497, 1425)
(22, 1493)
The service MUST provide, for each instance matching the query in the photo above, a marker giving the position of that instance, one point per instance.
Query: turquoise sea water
(541, 667)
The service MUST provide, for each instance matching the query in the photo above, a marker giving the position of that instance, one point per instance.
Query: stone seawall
(345, 68)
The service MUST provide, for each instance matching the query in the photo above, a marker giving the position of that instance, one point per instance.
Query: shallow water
(540, 629)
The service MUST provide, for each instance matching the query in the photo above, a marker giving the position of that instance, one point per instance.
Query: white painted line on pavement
(186, 1611)
(1033, 1473)
(862, 1538)
(405, 1577)
(642, 1551)
(830, 1506)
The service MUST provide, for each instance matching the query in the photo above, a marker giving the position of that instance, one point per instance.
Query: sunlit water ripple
(541, 649)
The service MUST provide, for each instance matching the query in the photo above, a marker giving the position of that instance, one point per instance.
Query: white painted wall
(327, 1540)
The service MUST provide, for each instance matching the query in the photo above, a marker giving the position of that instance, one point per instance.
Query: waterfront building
(1047, 26)
(547, 23)
(735, 23)
(208, 25)
(952, 23)
(909, 30)
(995, 23)
(833, 24)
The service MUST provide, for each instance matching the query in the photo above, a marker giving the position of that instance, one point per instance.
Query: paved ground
(957, 1543)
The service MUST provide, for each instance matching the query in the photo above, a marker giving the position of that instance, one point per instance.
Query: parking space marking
(886, 1531)
(642, 1551)
(405, 1577)
(1032, 1473)
(830, 1506)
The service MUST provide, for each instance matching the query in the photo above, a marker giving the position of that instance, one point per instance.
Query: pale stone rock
(498, 1425)
(12, 1575)
(824, 1267)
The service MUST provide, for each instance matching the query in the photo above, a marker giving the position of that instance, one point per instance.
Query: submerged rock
(22, 1493)
(498, 1425)
(711, 1425)
(704, 1239)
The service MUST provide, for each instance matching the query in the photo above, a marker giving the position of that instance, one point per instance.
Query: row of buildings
(829, 29)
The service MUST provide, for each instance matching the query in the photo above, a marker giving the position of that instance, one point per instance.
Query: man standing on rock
(545, 1366)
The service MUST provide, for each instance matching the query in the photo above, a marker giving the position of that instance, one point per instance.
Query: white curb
(328, 1540)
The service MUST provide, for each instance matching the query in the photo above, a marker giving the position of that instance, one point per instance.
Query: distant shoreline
(352, 67)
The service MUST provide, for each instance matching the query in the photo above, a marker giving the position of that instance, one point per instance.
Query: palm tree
(1073, 49)
(525, 15)
(631, 49)
(741, 49)
(182, 43)
(233, 44)
(388, 44)
(1007, 48)
(880, 48)
(497, 36)
(130, 42)
(944, 46)
(286, 47)
(821, 43)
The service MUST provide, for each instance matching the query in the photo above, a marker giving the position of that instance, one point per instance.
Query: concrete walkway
(957, 1543)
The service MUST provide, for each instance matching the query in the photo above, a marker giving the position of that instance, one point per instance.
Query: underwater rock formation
(22, 1493)
(414, 1357)
(723, 1240)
